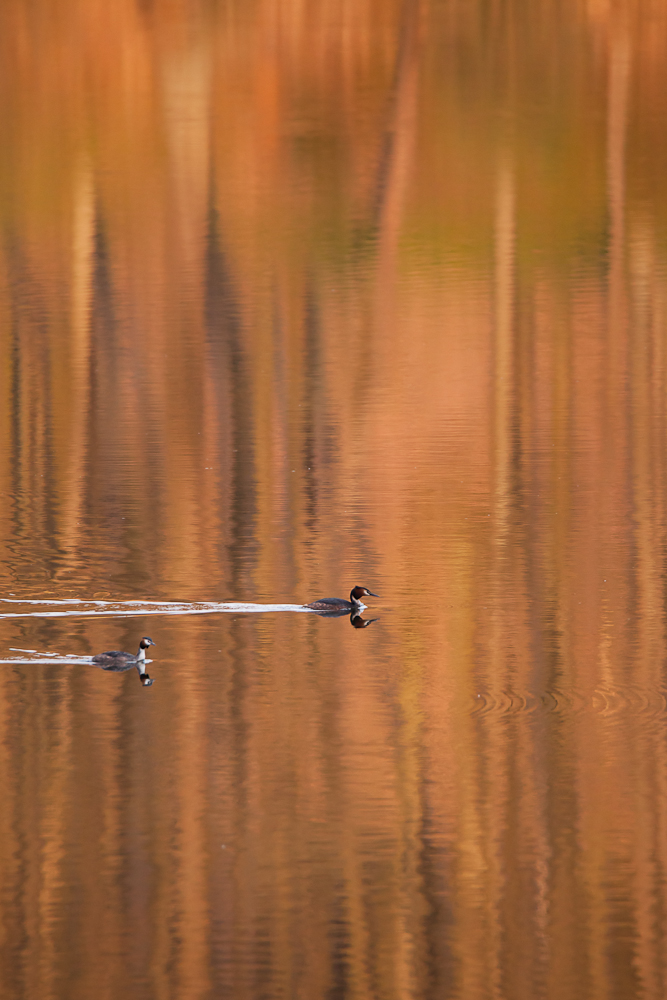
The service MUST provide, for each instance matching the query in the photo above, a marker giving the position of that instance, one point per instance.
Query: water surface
(293, 297)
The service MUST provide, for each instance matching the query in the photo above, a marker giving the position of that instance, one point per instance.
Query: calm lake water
(296, 296)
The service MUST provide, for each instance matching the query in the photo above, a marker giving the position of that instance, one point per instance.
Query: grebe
(338, 604)
(356, 620)
(116, 660)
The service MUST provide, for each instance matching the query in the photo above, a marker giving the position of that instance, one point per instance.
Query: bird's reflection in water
(121, 667)
(356, 621)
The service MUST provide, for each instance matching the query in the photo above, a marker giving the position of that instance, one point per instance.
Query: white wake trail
(80, 608)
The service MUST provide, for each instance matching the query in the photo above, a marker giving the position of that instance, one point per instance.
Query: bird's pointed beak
(371, 594)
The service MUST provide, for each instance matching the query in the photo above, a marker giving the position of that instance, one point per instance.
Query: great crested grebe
(117, 660)
(338, 604)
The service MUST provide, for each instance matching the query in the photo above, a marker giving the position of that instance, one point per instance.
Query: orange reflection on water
(297, 297)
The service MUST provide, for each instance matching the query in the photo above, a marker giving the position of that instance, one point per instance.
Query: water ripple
(605, 701)
(51, 659)
(79, 608)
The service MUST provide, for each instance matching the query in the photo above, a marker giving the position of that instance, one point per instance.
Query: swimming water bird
(117, 660)
(338, 604)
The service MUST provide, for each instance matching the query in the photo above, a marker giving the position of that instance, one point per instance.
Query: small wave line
(129, 609)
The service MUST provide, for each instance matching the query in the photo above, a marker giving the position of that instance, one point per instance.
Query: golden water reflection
(295, 297)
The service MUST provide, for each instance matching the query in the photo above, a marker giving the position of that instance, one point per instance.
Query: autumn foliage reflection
(290, 292)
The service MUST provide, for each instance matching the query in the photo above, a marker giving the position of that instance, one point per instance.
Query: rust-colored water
(295, 296)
